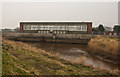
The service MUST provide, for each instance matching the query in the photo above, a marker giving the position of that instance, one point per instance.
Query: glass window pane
(84, 28)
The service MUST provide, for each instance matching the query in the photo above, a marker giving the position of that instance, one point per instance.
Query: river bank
(23, 59)
(76, 53)
(106, 47)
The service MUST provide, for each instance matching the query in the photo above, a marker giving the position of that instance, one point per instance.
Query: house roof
(108, 28)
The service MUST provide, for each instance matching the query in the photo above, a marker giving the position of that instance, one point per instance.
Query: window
(34, 27)
(44, 31)
(58, 27)
(46, 27)
(61, 32)
(63, 27)
(72, 28)
(54, 28)
(38, 31)
(41, 27)
(58, 32)
(47, 31)
(67, 27)
(54, 31)
(26, 27)
(84, 27)
(78, 28)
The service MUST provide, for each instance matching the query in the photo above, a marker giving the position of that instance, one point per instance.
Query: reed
(103, 45)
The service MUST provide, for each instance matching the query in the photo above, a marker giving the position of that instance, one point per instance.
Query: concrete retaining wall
(69, 38)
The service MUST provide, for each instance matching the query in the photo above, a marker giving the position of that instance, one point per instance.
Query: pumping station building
(56, 27)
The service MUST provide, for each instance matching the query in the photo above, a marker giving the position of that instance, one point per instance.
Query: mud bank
(105, 47)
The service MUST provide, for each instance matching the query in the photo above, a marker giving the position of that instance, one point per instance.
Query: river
(75, 53)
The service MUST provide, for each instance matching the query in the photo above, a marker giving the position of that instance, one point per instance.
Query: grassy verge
(23, 59)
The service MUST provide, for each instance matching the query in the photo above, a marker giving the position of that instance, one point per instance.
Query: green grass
(21, 61)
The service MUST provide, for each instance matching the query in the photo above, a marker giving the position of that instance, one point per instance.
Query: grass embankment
(22, 59)
(108, 47)
(0, 55)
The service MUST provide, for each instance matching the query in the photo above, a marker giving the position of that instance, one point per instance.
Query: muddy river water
(75, 53)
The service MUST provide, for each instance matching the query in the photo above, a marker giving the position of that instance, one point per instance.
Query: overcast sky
(0, 15)
(119, 13)
(98, 12)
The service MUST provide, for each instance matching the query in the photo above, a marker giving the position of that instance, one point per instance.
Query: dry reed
(104, 44)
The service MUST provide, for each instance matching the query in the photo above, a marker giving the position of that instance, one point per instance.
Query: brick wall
(21, 27)
(89, 28)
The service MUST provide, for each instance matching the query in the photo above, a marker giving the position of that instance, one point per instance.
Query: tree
(17, 29)
(101, 28)
(95, 29)
(116, 28)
